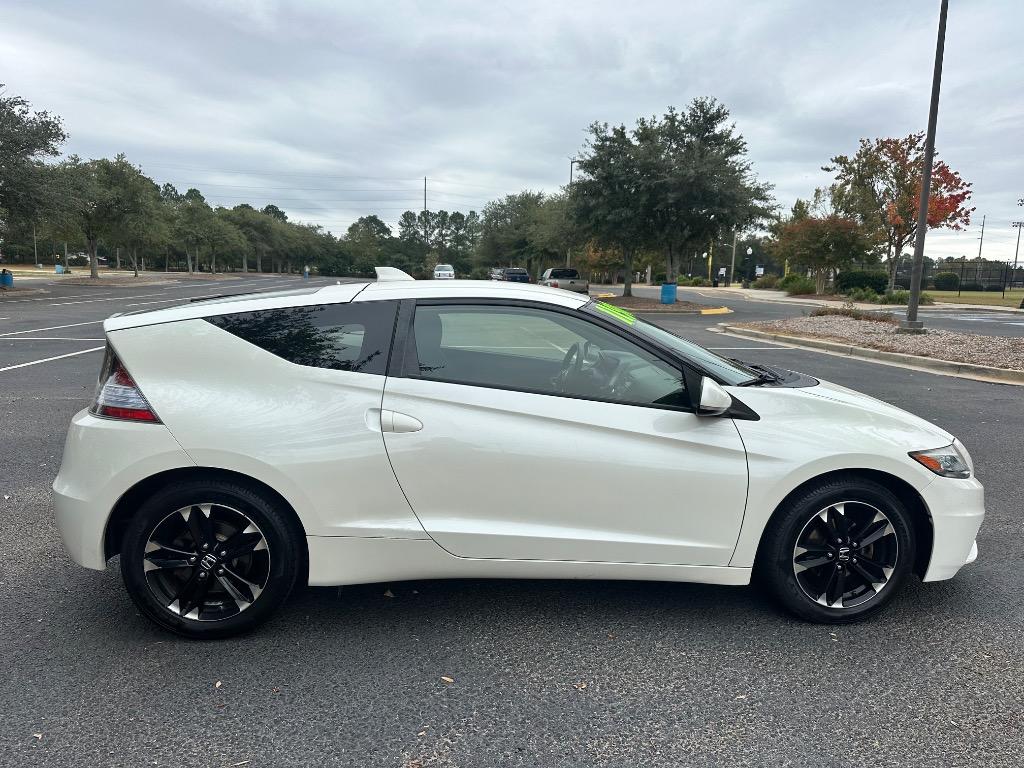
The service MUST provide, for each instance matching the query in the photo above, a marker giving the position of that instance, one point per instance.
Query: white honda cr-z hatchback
(393, 430)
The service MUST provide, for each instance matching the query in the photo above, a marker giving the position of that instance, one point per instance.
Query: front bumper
(103, 459)
(957, 509)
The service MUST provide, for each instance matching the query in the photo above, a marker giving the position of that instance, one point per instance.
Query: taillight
(554, 284)
(117, 395)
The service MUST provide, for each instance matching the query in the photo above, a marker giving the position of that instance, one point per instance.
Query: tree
(507, 230)
(696, 180)
(607, 203)
(100, 199)
(822, 245)
(367, 240)
(192, 225)
(881, 186)
(27, 138)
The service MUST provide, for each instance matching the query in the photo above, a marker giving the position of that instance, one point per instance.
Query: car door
(509, 446)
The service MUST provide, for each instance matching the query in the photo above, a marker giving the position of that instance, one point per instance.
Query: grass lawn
(991, 298)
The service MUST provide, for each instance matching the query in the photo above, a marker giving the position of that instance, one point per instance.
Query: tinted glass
(540, 351)
(515, 271)
(728, 371)
(443, 268)
(565, 274)
(343, 337)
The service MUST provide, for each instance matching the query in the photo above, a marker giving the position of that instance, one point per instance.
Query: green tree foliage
(525, 229)
(821, 245)
(674, 183)
(27, 138)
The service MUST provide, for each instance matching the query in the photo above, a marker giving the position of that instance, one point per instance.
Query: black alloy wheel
(211, 558)
(838, 551)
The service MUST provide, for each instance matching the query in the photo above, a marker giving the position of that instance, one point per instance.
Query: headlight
(948, 461)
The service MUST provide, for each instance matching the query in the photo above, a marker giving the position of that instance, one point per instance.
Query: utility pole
(426, 218)
(912, 324)
(981, 239)
(35, 251)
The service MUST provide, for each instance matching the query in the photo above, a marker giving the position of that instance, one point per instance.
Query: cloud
(334, 110)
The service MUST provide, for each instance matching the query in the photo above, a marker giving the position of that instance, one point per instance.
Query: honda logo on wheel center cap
(209, 560)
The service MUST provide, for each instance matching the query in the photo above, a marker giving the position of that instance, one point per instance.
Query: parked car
(444, 272)
(515, 275)
(566, 279)
(497, 273)
(242, 445)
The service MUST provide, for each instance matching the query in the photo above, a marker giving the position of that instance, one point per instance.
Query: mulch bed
(641, 304)
(997, 351)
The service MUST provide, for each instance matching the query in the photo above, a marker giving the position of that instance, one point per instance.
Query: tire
(210, 592)
(812, 562)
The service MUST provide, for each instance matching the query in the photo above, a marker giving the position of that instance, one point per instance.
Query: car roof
(470, 289)
(345, 292)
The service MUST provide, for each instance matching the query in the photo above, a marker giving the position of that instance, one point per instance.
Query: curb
(712, 311)
(946, 367)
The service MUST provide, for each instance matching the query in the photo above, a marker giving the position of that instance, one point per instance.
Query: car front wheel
(839, 551)
(210, 559)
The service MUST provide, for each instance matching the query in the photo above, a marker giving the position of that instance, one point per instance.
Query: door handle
(393, 421)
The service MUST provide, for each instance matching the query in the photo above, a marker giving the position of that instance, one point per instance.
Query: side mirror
(714, 400)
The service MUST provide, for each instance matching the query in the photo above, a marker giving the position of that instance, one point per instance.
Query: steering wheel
(572, 363)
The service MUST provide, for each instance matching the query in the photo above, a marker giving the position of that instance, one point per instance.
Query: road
(964, 320)
(545, 673)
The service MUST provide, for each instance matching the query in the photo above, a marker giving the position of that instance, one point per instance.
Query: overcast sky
(333, 110)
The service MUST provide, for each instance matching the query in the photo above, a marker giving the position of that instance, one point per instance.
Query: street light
(912, 324)
(1018, 225)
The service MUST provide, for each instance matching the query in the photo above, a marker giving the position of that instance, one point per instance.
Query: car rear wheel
(839, 551)
(209, 559)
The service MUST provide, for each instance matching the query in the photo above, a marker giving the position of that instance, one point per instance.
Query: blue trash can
(6, 280)
(668, 293)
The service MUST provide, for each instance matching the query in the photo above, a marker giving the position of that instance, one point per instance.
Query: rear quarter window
(341, 337)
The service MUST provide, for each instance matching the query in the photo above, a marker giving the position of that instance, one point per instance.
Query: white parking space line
(49, 328)
(52, 338)
(110, 298)
(51, 359)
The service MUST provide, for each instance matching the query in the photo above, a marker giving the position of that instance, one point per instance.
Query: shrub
(903, 283)
(860, 278)
(868, 295)
(801, 286)
(972, 287)
(788, 280)
(947, 281)
(902, 297)
(848, 310)
(766, 282)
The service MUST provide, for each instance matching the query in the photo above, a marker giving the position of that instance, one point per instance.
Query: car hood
(845, 413)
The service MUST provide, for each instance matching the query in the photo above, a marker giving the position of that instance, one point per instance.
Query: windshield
(443, 268)
(565, 274)
(731, 373)
(516, 271)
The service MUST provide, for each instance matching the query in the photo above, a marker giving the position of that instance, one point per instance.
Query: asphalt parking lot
(545, 673)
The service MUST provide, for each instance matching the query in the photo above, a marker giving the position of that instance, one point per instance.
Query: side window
(540, 351)
(343, 337)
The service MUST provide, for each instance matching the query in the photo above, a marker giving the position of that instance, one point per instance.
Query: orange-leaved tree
(881, 186)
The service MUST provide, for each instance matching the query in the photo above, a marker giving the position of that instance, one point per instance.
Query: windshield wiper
(765, 375)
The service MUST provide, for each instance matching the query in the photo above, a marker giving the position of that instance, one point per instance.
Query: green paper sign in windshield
(617, 312)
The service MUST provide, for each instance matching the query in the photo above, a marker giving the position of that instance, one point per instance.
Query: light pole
(912, 324)
(732, 267)
(1018, 225)
(568, 251)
